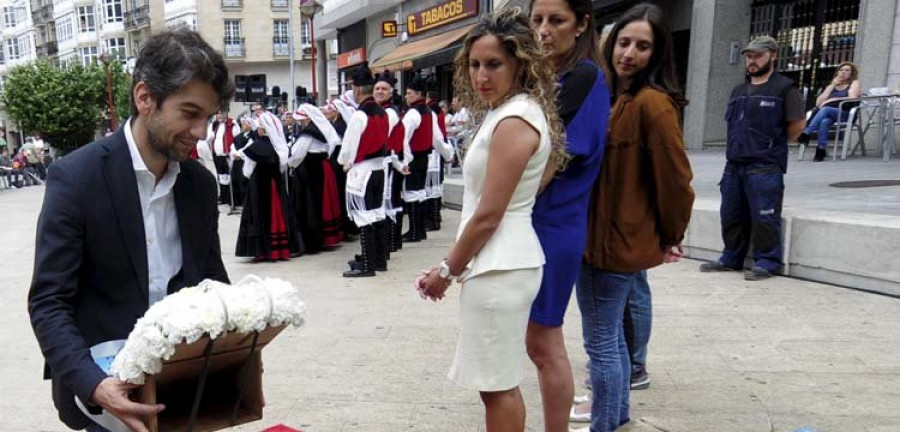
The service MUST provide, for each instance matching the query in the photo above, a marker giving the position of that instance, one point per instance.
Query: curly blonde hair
(536, 76)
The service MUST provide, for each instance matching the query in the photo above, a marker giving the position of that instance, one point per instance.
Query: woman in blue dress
(565, 29)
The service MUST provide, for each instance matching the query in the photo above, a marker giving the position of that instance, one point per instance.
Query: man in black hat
(363, 153)
(398, 160)
(425, 136)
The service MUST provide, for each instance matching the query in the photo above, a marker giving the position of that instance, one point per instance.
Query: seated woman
(844, 86)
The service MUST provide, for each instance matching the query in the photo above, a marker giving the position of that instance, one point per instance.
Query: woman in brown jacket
(641, 202)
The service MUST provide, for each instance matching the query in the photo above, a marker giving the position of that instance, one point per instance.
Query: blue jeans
(823, 120)
(638, 322)
(602, 297)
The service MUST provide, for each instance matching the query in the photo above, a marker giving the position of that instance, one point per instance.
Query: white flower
(208, 309)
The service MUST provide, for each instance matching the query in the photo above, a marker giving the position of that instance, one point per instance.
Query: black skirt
(258, 237)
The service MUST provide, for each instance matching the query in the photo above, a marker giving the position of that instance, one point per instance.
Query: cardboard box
(232, 391)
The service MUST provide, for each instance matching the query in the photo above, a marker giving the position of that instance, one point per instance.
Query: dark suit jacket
(90, 282)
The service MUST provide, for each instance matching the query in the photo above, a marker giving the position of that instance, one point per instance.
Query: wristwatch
(444, 271)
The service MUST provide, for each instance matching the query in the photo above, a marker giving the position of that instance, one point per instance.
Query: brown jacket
(641, 203)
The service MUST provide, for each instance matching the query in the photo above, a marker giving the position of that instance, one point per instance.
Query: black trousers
(221, 163)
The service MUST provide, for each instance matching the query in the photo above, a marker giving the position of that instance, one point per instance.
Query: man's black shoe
(714, 266)
(803, 138)
(355, 273)
(356, 265)
(757, 273)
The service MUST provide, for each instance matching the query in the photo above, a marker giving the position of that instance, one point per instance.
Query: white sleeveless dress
(505, 275)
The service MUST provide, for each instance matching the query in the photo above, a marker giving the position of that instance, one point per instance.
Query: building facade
(413, 36)
(423, 35)
(255, 38)
(253, 35)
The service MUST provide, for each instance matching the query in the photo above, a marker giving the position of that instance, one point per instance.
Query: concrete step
(856, 250)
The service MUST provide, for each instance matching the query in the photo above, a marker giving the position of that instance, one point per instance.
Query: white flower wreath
(210, 308)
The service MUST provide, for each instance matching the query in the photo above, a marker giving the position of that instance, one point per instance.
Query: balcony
(281, 47)
(280, 4)
(42, 15)
(307, 51)
(235, 48)
(46, 50)
(232, 4)
(138, 18)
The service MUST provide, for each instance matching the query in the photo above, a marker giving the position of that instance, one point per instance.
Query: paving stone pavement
(726, 355)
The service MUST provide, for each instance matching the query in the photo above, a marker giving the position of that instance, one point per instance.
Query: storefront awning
(403, 57)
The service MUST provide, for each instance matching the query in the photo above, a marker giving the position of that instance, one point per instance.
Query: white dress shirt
(160, 220)
(413, 119)
(218, 137)
(359, 121)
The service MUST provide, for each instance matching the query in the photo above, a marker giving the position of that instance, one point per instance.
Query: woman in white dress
(506, 82)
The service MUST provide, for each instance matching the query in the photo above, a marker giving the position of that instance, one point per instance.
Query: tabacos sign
(442, 14)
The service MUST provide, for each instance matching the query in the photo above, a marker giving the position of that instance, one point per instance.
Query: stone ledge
(856, 250)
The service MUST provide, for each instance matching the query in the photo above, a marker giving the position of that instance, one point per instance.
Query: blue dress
(561, 211)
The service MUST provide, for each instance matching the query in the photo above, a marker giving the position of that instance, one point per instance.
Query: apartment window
(136, 44)
(86, 21)
(25, 46)
(232, 30)
(234, 45)
(280, 4)
(9, 16)
(12, 48)
(88, 55)
(116, 47)
(113, 10)
(64, 29)
(305, 37)
(281, 40)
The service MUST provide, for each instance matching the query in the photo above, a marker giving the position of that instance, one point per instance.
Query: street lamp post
(310, 8)
(106, 58)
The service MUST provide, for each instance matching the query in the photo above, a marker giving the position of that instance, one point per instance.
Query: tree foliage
(65, 105)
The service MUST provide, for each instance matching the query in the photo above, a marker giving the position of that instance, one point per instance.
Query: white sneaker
(581, 399)
(584, 429)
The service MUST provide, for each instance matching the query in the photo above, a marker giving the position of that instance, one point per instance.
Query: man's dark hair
(170, 60)
(367, 89)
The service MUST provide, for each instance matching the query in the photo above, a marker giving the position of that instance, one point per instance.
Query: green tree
(65, 105)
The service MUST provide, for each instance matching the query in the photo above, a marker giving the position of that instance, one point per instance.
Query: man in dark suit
(127, 220)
